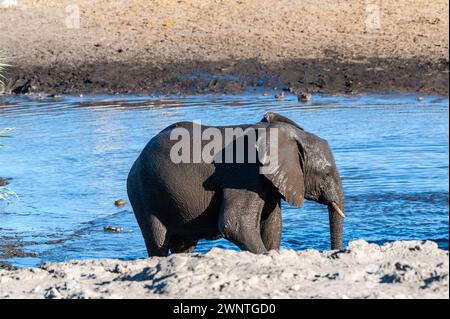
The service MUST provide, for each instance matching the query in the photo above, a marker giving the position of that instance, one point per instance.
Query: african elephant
(177, 203)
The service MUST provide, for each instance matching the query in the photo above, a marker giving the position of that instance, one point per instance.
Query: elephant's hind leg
(155, 237)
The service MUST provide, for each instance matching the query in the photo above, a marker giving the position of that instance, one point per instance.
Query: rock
(420, 98)
(3, 181)
(112, 229)
(119, 203)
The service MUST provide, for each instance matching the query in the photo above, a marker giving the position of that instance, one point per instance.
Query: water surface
(69, 158)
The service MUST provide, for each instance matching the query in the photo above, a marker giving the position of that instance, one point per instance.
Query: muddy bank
(314, 75)
(204, 46)
(404, 269)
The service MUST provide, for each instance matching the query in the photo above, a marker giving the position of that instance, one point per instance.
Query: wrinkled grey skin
(178, 204)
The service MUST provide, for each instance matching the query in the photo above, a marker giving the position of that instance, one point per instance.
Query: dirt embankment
(409, 269)
(194, 46)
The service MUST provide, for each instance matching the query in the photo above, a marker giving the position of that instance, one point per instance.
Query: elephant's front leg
(239, 219)
(271, 225)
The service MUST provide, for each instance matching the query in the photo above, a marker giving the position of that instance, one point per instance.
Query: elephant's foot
(246, 239)
(254, 245)
(155, 237)
(182, 246)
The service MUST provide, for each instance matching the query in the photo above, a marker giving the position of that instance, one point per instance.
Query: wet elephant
(177, 203)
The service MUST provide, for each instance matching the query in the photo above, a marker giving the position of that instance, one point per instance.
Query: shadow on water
(70, 155)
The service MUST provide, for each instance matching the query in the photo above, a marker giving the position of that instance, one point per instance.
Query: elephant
(178, 203)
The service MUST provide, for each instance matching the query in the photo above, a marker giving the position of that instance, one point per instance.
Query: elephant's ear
(271, 117)
(285, 170)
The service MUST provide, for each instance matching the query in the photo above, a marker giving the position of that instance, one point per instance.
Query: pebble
(295, 287)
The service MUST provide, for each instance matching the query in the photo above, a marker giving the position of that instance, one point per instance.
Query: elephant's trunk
(335, 213)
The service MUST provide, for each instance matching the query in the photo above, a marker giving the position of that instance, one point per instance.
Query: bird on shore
(279, 95)
(304, 97)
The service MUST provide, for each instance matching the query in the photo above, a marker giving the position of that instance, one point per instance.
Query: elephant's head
(305, 169)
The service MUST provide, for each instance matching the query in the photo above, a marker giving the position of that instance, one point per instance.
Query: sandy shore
(167, 46)
(403, 269)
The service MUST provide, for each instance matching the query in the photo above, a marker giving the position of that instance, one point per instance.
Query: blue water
(69, 158)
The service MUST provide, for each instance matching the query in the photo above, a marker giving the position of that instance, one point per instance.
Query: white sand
(407, 269)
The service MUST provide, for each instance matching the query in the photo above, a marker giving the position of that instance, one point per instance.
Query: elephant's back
(177, 192)
(156, 158)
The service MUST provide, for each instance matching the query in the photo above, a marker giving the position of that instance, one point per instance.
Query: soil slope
(195, 46)
(404, 269)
